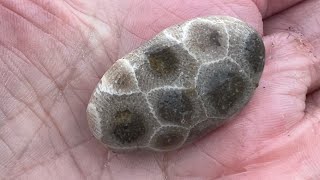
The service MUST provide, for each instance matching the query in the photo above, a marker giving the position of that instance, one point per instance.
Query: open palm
(52, 54)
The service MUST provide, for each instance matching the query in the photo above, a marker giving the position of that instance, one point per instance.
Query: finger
(144, 20)
(270, 7)
(302, 23)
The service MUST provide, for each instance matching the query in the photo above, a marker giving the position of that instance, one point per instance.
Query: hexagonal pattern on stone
(177, 87)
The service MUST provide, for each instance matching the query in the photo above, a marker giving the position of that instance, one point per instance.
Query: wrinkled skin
(52, 54)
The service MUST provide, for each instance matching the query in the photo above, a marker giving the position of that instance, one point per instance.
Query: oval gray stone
(179, 86)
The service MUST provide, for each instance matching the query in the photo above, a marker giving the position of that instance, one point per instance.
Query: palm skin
(52, 54)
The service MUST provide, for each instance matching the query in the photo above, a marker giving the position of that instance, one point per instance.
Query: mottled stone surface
(179, 86)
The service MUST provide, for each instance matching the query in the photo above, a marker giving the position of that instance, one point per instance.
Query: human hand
(52, 54)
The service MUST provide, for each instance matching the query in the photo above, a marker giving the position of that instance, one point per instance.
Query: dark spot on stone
(175, 107)
(214, 37)
(221, 87)
(162, 60)
(255, 52)
(225, 91)
(128, 127)
(168, 140)
(257, 85)
(209, 38)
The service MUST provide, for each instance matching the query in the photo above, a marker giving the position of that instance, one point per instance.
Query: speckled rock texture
(179, 86)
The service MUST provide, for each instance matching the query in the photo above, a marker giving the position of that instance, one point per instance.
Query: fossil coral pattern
(179, 86)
